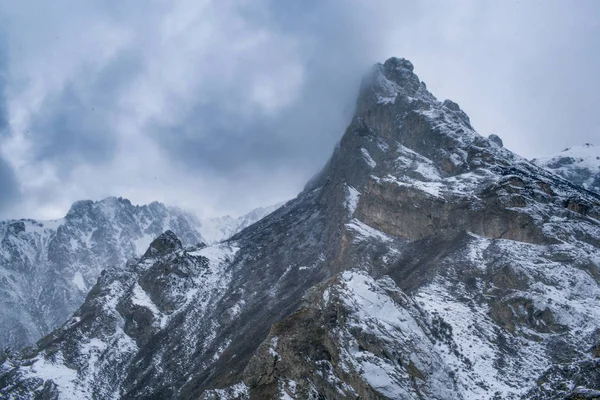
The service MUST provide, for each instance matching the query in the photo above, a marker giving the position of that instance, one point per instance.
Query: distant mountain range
(48, 267)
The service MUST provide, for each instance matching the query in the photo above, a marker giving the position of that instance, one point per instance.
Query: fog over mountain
(220, 107)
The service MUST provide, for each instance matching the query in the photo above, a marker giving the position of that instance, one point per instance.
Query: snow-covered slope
(129, 306)
(578, 164)
(424, 262)
(215, 230)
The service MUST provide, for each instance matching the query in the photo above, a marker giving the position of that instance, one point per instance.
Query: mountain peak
(80, 206)
(392, 78)
(396, 114)
(115, 200)
(398, 64)
(166, 243)
(108, 203)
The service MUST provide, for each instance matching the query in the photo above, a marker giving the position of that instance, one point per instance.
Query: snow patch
(368, 158)
(57, 372)
(234, 392)
(364, 231)
(352, 198)
(273, 346)
(79, 281)
(140, 297)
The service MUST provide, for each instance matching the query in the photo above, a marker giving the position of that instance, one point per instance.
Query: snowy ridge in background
(217, 229)
(578, 164)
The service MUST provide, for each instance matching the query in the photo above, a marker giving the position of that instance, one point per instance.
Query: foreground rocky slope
(423, 262)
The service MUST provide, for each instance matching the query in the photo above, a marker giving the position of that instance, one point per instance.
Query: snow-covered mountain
(578, 164)
(423, 262)
(48, 267)
(215, 230)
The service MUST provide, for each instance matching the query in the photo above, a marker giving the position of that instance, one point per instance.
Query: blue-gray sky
(220, 106)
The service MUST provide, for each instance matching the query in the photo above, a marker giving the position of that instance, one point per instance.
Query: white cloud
(222, 106)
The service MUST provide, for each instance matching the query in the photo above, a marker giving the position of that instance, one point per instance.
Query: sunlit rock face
(423, 262)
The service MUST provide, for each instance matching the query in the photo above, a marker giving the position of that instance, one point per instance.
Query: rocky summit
(423, 262)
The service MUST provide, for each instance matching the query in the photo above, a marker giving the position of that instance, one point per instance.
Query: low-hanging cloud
(221, 106)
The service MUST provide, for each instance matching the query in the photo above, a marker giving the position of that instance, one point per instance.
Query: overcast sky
(222, 106)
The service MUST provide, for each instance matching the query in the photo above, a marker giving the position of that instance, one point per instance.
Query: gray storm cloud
(9, 192)
(222, 106)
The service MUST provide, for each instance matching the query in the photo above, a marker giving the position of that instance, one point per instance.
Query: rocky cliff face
(578, 164)
(423, 262)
